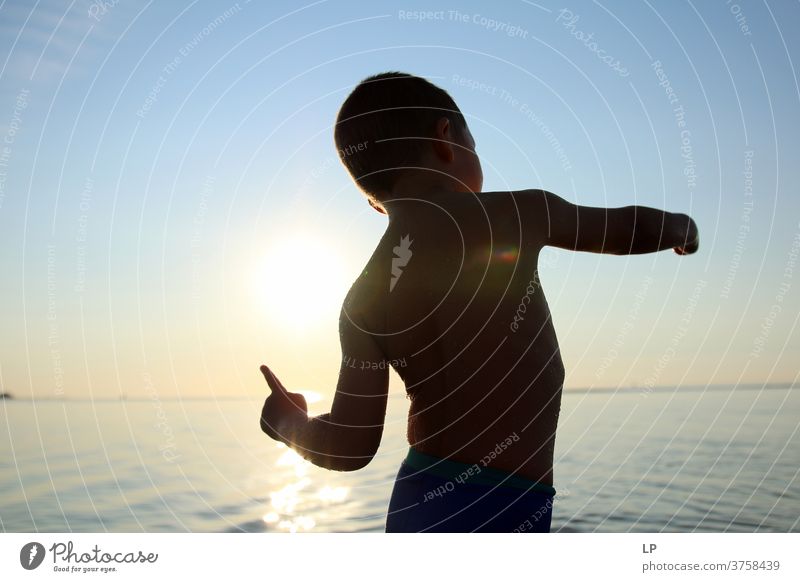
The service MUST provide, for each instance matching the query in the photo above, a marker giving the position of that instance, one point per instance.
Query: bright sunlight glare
(301, 280)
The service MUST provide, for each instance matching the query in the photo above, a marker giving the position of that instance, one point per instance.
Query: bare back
(452, 293)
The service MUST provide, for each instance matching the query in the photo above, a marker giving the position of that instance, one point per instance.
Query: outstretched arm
(347, 438)
(629, 230)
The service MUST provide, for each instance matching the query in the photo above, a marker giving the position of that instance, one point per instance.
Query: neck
(417, 185)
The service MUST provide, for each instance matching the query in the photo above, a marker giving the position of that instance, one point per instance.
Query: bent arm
(347, 438)
(621, 231)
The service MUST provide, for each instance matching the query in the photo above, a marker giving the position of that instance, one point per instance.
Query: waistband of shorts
(475, 473)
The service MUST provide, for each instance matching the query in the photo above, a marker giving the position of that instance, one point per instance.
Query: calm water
(713, 460)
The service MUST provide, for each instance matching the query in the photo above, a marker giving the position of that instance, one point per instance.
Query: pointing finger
(273, 382)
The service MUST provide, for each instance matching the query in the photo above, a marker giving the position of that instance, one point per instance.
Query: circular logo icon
(31, 555)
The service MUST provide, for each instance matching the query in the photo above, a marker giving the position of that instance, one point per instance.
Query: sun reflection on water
(333, 494)
(291, 459)
(286, 500)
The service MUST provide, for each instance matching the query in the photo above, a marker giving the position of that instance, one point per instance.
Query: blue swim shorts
(440, 495)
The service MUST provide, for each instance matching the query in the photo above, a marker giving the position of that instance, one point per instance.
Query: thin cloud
(42, 39)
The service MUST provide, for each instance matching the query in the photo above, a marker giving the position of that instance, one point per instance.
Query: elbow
(351, 450)
(348, 464)
(348, 459)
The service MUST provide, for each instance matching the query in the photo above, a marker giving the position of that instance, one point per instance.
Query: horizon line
(7, 396)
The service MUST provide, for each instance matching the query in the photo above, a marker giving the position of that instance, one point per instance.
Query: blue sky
(157, 156)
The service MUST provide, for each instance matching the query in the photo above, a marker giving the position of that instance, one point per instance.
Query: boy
(451, 298)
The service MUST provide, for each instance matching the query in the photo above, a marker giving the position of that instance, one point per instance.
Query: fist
(283, 411)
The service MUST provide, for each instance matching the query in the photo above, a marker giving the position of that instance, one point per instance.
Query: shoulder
(520, 201)
(530, 212)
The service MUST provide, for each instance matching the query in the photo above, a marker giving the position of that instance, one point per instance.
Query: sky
(173, 213)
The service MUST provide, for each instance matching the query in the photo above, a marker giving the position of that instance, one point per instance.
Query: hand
(692, 238)
(283, 411)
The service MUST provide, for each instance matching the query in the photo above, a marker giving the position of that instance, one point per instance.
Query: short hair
(378, 122)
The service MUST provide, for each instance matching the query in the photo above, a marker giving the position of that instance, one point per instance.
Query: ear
(376, 206)
(442, 140)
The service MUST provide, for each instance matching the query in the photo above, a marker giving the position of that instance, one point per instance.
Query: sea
(687, 459)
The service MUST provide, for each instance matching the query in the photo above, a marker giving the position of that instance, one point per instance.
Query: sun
(301, 280)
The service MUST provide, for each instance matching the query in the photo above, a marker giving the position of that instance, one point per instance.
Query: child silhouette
(462, 308)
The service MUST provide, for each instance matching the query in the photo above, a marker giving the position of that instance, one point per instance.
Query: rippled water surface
(684, 460)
